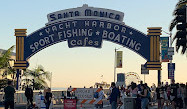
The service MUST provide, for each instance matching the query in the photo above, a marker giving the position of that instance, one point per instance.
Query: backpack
(96, 95)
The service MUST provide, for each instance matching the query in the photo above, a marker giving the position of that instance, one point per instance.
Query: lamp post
(51, 80)
(115, 66)
(115, 63)
(170, 45)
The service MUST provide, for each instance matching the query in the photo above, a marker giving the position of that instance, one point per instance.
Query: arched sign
(87, 33)
(88, 27)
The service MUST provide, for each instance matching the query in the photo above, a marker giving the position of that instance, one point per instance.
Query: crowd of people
(173, 96)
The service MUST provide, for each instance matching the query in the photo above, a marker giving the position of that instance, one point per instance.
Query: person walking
(99, 98)
(143, 95)
(114, 96)
(173, 94)
(160, 96)
(167, 94)
(134, 90)
(69, 91)
(29, 96)
(154, 93)
(9, 95)
(180, 96)
(138, 99)
(48, 97)
(122, 90)
(185, 96)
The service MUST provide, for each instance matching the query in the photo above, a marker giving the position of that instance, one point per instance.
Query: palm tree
(5, 66)
(5, 58)
(38, 76)
(180, 5)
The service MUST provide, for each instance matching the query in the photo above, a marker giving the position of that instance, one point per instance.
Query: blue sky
(83, 66)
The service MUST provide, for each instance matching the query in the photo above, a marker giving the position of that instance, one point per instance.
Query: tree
(3, 83)
(5, 58)
(180, 23)
(5, 66)
(39, 75)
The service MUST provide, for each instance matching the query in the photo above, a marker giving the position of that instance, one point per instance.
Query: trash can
(129, 102)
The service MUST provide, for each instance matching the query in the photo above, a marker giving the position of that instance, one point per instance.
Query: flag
(164, 48)
(119, 59)
(171, 70)
(171, 74)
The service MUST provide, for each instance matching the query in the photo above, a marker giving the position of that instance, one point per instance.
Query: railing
(21, 98)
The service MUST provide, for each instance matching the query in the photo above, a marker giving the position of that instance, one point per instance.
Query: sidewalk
(18, 106)
(85, 106)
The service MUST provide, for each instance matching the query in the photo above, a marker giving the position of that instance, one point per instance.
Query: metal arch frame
(133, 75)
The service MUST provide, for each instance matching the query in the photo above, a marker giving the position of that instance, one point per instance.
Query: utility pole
(115, 66)
(170, 45)
(51, 80)
(115, 50)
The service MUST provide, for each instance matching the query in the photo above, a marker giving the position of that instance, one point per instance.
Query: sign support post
(170, 53)
(144, 71)
(154, 61)
(17, 78)
(171, 56)
(115, 66)
(159, 76)
(20, 63)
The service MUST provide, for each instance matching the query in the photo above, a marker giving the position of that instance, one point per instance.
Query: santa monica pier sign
(88, 27)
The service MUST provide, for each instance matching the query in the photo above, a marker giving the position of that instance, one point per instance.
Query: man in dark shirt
(173, 95)
(114, 96)
(185, 95)
(139, 86)
(160, 95)
(9, 96)
(48, 98)
(29, 95)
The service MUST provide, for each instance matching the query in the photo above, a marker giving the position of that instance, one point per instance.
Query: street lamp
(115, 63)
(171, 41)
(51, 80)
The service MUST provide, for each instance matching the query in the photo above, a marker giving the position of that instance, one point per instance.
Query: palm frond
(183, 49)
(181, 3)
(6, 57)
(173, 24)
(8, 52)
(46, 75)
